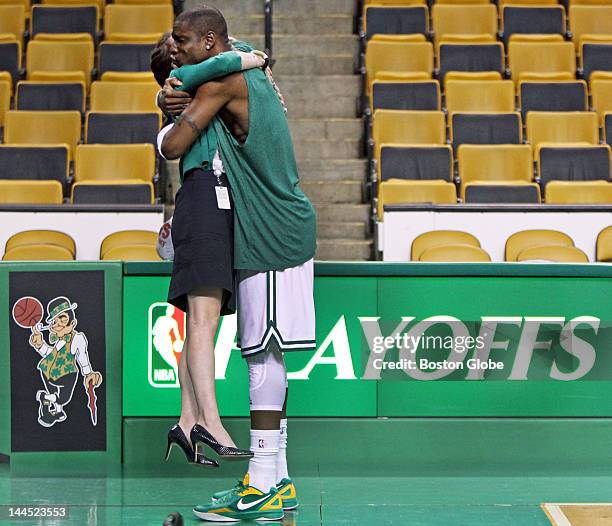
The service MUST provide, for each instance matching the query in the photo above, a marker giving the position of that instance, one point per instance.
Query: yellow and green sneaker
(245, 502)
(286, 489)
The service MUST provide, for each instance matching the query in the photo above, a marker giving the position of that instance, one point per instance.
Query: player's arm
(209, 99)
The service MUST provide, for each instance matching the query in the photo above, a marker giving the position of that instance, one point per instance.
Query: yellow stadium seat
(601, 96)
(25, 3)
(598, 75)
(5, 76)
(400, 57)
(64, 37)
(545, 60)
(471, 75)
(103, 162)
(45, 237)
(12, 20)
(100, 4)
(124, 96)
(143, 2)
(132, 253)
(60, 57)
(591, 192)
(134, 38)
(561, 127)
(393, 2)
(536, 38)
(408, 127)
(436, 238)
(38, 252)
(412, 37)
(603, 251)
(400, 191)
(464, 20)
(30, 192)
(474, 95)
(62, 77)
(499, 162)
(127, 238)
(136, 19)
(457, 253)
(527, 2)
(43, 127)
(462, 2)
(5, 99)
(466, 39)
(588, 21)
(554, 254)
(524, 239)
(127, 76)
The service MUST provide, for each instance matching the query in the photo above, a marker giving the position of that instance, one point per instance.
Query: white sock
(262, 467)
(281, 459)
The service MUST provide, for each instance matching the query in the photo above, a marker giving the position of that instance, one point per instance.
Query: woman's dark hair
(161, 61)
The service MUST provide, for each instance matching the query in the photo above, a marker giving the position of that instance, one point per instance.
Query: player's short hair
(203, 19)
(161, 61)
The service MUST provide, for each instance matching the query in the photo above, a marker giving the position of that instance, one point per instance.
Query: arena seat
(475, 95)
(485, 128)
(436, 238)
(463, 20)
(471, 75)
(418, 95)
(38, 252)
(607, 128)
(396, 191)
(536, 38)
(500, 162)
(64, 19)
(529, 60)
(120, 20)
(603, 250)
(124, 57)
(10, 57)
(524, 239)
(45, 237)
(554, 254)
(393, 2)
(415, 162)
(101, 4)
(35, 162)
(121, 128)
(143, 2)
(132, 253)
(590, 192)
(43, 127)
(470, 57)
(462, 2)
(495, 192)
(596, 57)
(408, 127)
(60, 57)
(25, 3)
(502, 3)
(124, 97)
(5, 99)
(30, 192)
(127, 76)
(132, 192)
(457, 253)
(562, 127)
(63, 37)
(587, 20)
(50, 96)
(12, 21)
(572, 162)
(128, 238)
(102, 162)
(399, 57)
(402, 20)
(532, 20)
(601, 96)
(571, 95)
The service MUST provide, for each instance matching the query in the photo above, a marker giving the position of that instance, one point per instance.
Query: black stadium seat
(416, 162)
(471, 57)
(9, 58)
(117, 194)
(553, 96)
(596, 57)
(43, 96)
(574, 163)
(533, 20)
(125, 57)
(422, 95)
(608, 128)
(65, 19)
(509, 194)
(34, 162)
(396, 20)
(485, 128)
(121, 128)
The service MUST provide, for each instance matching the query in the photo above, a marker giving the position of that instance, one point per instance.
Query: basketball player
(275, 241)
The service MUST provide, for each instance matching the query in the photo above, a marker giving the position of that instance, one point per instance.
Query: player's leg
(284, 483)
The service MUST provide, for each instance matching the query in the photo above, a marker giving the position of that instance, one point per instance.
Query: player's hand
(36, 340)
(94, 378)
(172, 101)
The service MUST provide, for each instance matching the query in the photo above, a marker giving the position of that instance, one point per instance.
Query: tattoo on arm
(194, 127)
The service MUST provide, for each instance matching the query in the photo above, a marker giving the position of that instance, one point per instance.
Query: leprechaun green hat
(58, 305)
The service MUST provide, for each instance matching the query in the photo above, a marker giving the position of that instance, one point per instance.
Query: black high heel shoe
(200, 435)
(177, 437)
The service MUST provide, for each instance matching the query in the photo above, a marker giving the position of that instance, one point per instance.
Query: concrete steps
(344, 250)
(351, 213)
(333, 191)
(332, 169)
(341, 230)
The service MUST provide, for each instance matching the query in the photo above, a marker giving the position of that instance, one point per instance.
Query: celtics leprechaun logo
(63, 358)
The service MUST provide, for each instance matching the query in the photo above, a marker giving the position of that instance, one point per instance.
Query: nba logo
(166, 335)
